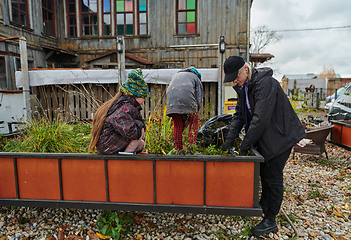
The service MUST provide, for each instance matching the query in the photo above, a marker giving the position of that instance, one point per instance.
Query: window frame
(68, 17)
(53, 17)
(138, 17)
(82, 14)
(103, 18)
(125, 24)
(186, 10)
(26, 13)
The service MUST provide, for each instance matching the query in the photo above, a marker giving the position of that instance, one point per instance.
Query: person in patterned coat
(118, 126)
(184, 101)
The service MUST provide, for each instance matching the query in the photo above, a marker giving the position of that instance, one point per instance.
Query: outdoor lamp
(221, 44)
(119, 45)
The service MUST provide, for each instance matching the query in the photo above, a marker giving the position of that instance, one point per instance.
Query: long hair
(99, 120)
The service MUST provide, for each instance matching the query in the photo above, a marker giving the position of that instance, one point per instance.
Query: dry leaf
(99, 235)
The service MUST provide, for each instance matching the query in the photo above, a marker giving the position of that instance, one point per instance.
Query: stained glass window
(107, 17)
(125, 17)
(142, 17)
(186, 16)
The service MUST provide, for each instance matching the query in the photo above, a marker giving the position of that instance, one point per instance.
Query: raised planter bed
(157, 183)
(341, 133)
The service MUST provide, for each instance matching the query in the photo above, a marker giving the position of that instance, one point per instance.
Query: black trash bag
(214, 131)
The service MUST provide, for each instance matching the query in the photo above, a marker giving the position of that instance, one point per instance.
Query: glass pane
(23, 7)
(107, 19)
(120, 5)
(190, 4)
(142, 17)
(107, 6)
(129, 18)
(142, 5)
(120, 30)
(50, 18)
(49, 5)
(182, 4)
(86, 31)
(120, 18)
(93, 6)
(93, 19)
(190, 28)
(85, 20)
(15, 15)
(72, 20)
(85, 6)
(94, 30)
(23, 20)
(44, 3)
(181, 16)
(129, 5)
(72, 8)
(190, 17)
(129, 29)
(181, 28)
(143, 29)
(72, 31)
(45, 18)
(107, 30)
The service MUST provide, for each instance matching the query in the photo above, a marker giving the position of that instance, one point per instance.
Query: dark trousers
(271, 173)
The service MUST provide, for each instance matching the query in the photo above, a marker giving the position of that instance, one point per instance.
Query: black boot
(264, 227)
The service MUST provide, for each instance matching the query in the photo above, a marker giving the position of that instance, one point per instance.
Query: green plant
(158, 136)
(113, 224)
(45, 136)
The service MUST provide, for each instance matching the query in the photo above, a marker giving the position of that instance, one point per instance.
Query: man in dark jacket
(271, 125)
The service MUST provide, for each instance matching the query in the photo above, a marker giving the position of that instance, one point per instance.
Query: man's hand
(228, 144)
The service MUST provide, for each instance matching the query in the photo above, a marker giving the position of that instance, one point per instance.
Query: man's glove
(242, 153)
(229, 143)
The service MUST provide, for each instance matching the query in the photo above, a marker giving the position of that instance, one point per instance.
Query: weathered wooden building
(72, 33)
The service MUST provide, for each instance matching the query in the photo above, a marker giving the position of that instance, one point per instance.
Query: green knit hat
(135, 85)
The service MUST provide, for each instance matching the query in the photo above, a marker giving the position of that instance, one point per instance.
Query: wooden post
(25, 80)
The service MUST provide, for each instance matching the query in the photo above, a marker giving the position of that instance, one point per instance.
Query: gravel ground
(317, 200)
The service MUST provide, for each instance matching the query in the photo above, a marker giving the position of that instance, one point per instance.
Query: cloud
(301, 52)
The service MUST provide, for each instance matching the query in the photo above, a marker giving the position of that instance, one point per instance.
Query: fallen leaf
(73, 237)
(99, 235)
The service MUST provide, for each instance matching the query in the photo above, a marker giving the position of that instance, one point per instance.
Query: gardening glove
(228, 144)
(242, 153)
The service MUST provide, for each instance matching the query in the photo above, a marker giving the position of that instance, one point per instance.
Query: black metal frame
(203, 209)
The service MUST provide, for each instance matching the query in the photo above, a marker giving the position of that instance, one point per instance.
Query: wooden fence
(80, 101)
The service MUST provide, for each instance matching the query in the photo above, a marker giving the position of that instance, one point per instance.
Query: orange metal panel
(7, 178)
(131, 181)
(336, 131)
(230, 184)
(346, 136)
(83, 180)
(38, 178)
(179, 182)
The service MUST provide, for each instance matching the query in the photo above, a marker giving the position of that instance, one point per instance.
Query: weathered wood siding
(78, 102)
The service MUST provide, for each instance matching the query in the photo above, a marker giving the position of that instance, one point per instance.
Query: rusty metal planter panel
(167, 183)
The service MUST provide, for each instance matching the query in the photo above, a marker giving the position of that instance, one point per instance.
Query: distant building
(304, 81)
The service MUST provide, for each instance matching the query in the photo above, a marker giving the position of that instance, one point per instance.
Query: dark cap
(232, 66)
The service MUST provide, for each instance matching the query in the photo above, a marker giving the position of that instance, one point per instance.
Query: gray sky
(301, 52)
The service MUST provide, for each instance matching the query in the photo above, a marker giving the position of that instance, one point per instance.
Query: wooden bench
(225, 185)
(318, 136)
